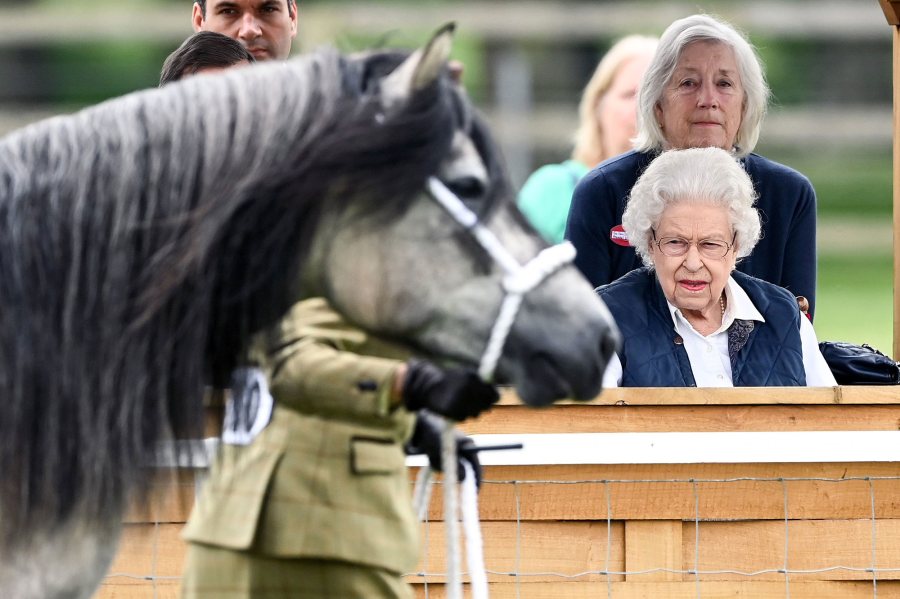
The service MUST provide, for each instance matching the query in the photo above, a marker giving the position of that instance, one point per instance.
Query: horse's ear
(420, 69)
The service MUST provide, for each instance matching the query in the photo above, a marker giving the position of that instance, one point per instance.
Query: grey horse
(144, 240)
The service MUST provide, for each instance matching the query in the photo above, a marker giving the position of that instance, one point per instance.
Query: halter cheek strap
(519, 279)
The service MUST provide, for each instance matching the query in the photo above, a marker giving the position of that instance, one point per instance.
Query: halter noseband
(518, 279)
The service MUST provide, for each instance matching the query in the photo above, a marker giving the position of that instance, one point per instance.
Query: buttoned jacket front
(326, 479)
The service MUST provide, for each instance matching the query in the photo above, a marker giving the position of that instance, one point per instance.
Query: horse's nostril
(466, 187)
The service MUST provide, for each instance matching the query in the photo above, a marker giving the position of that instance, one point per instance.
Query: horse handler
(310, 495)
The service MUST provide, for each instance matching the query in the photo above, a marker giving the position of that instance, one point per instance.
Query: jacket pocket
(228, 508)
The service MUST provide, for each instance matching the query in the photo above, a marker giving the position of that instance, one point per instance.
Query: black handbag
(854, 364)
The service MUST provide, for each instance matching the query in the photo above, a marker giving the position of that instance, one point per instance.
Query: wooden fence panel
(556, 530)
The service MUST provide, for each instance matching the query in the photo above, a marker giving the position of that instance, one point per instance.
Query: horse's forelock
(340, 150)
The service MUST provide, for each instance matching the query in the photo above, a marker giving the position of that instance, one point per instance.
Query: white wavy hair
(697, 175)
(679, 35)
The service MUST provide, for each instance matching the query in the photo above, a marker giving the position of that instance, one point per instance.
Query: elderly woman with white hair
(688, 318)
(704, 88)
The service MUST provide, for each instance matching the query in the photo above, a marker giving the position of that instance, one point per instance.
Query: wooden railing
(638, 528)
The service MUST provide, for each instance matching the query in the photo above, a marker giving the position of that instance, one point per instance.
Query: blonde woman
(608, 116)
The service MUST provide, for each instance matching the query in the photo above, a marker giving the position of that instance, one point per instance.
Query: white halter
(519, 279)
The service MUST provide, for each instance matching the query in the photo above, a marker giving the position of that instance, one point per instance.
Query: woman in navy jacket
(704, 88)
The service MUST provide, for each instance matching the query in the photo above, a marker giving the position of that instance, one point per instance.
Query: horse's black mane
(144, 240)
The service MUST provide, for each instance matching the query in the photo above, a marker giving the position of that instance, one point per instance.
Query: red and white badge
(618, 236)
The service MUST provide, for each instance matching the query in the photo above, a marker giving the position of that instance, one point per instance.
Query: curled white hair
(679, 35)
(698, 175)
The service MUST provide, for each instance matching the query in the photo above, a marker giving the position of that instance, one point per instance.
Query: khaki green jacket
(326, 478)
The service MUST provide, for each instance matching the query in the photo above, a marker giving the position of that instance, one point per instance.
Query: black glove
(454, 393)
(426, 438)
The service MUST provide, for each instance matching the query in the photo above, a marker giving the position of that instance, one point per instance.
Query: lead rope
(472, 530)
(468, 505)
(451, 511)
(518, 281)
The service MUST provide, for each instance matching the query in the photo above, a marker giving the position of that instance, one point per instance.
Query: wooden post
(891, 10)
(896, 208)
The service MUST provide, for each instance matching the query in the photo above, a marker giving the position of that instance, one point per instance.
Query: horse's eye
(467, 188)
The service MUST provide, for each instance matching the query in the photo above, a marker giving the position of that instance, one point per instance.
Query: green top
(546, 196)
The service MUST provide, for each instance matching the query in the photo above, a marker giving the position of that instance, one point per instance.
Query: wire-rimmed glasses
(679, 246)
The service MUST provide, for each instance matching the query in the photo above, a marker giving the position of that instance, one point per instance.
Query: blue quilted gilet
(653, 354)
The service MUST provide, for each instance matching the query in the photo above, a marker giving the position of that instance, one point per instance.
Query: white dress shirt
(708, 354)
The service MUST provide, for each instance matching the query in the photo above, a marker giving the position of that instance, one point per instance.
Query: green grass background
(854, 294)
(854, 299)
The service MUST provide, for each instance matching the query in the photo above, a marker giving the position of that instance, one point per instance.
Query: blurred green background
(828, 63)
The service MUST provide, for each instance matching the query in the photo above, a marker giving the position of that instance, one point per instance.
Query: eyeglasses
(679, 246)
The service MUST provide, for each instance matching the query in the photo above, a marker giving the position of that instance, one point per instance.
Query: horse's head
(430, 276)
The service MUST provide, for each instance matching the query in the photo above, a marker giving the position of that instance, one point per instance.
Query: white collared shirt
(708, 355)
